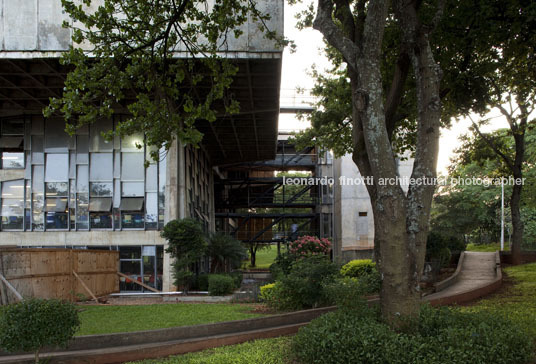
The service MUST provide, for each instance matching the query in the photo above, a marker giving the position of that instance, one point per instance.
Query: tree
(187, 245)
(475, 158)
(384, 97)
(131, 67)
(358, 31)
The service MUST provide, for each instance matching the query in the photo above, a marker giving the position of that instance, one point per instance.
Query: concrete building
(352, 209)
(85, 192)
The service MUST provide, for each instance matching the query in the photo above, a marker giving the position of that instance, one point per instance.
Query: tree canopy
(125, 60)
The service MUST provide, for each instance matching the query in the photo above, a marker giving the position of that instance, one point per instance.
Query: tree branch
(396, 91)
(493, 145)
(324, 23)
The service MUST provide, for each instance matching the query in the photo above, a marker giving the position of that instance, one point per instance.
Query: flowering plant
(306, 244)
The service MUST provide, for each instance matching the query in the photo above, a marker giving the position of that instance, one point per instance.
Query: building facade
(84, 191)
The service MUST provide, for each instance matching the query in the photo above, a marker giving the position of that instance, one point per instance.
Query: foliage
(358, 267)
(267, 291)
(348, 293)
(223, 249)
(280, 297)
(303, 286)
(489, 248)
(187, 244)
(282, 264)
(220, 285)
(516, 299)
(365, 273)
(475, 159)
(34, 323)
(306, 244)
(105, 319)
(268, 351)
(437, 249)
(132, 65)
(438, 336)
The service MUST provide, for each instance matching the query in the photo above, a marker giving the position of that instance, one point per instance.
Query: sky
(308, 52)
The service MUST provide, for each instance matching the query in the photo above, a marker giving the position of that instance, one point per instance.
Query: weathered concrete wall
(33, 29)
(353, 217)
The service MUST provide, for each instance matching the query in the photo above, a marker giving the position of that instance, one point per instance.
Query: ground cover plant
(270, 351)
(109, 319)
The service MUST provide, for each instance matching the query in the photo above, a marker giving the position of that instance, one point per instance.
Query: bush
(366, 272)
(437, 248)
(187, 244)
(438, 336)
(33, 324)
(202, 282)
(282, 265)
(305, 245)
(357, 268)
(237, 278)
(348, 294)
(303, 286)
(220, 285)
(280, 297)
(225, 250)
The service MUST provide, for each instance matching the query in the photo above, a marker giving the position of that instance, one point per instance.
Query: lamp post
(502, 214)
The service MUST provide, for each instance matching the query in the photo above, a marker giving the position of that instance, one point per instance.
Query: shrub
(348, 294)
(187, 244)
(33, 324)
(220, 285)
(202, 282)
(223, 249)
(282, 265)
(357, 268)
(438, 336)
(303, 286)
(237, 278)
(280, 297)
(437, 248)
(305, 245)
(366, 272)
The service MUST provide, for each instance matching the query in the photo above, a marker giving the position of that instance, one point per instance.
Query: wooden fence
(48, 273)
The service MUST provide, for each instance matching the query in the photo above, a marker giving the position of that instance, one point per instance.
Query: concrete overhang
(32, 40)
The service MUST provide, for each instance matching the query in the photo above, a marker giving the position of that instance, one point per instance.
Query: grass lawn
(109, 319)
(486, 247)
(265, 257)
(516, 299)
(268, 351)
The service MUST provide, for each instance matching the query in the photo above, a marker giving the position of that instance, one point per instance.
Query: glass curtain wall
(79, 182)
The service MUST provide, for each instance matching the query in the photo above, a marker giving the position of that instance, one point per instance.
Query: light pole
(502, 214)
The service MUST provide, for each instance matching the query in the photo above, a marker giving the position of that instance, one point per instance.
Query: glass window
(100, 204)
(132, 143)
(130, 252)
(100, 189)
(12, 144)
(132, 189)
(100, 220)
(133, 270)
(38, 203)
(151, 180)
(82, 211)
(57, 189)
(56, 139)
(82, 184)
(132, 213)
(12, 211)
(151, 216)
(97, 143)
(56, 213)
(101, 168)
(57, 168)
(132, 168)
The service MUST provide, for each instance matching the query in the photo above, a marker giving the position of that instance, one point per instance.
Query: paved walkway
(478, 269)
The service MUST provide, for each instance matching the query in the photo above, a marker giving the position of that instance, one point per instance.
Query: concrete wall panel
(19, 20)
(51, 35)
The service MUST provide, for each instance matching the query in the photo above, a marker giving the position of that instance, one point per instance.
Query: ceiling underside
(250, 135)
